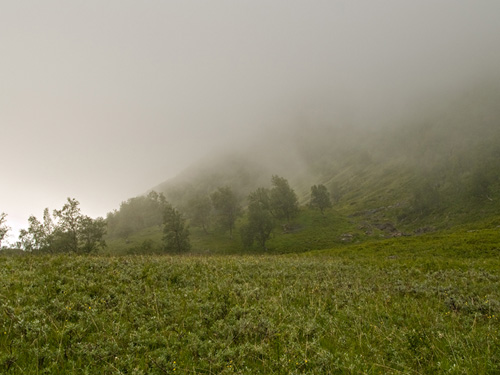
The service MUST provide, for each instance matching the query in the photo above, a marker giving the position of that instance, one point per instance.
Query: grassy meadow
(416, 305)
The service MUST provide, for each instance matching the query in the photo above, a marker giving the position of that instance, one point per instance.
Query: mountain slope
(451, 147)
(435, 168)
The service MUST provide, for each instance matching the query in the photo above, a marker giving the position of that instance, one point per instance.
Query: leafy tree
(175, 232)
(62, 242)
(4, 229)
(48, 223)
(70, 232)
(136, 214)
(260, 221)
(227, 208)
(69, 221)
(91, 234)
(155, 203)
(200, 212)
(320, 198)
(36, 237)
(283, 200)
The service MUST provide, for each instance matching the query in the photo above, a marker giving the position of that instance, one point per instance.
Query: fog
(101, 101)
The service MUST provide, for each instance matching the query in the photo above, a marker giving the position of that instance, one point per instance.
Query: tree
(227, 208)
(175, 232)
(200, 212)
(283, 200)
(70, 232)
(4, 229)
(260, 221)
(320, 198)
(135, 214)
(91, 234)
(69, 218)
(36, 237)
(153, 215)
(48, 223)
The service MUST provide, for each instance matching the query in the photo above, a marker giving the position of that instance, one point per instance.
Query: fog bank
(103, 100)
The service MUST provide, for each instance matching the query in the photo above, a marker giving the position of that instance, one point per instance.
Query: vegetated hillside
(433, 169)
(438, 160)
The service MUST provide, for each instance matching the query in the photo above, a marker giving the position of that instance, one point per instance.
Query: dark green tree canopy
(282, 199)
(67, 231)
(136, 214)
(91, 234)
(69, 220)
(175, 231)
(227, 208)
(260, 198)
(200, 212)
(320, 198)
(260, 222)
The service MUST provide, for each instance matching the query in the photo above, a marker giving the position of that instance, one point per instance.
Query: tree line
(68, 230)
(219, 211)
(222, 208)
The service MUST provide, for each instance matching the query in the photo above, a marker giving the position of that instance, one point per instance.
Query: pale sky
(102, 100)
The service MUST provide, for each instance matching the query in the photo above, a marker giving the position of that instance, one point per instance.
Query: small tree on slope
(320, 198)
(175, 232)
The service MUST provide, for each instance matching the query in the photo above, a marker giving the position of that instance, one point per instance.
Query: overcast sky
(102, 100)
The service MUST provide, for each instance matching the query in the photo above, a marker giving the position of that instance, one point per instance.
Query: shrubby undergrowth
(401, 310)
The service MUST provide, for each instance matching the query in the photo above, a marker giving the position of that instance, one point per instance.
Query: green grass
(416, 305)
(464, 243)
(309, 231)
(312, 231)
(148, 240)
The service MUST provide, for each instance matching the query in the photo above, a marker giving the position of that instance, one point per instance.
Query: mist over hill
(446, 143)
(432, 166)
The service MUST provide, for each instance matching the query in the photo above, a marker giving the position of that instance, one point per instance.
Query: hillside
(433, 168)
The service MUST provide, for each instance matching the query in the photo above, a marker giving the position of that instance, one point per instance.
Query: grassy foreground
(401, 310)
